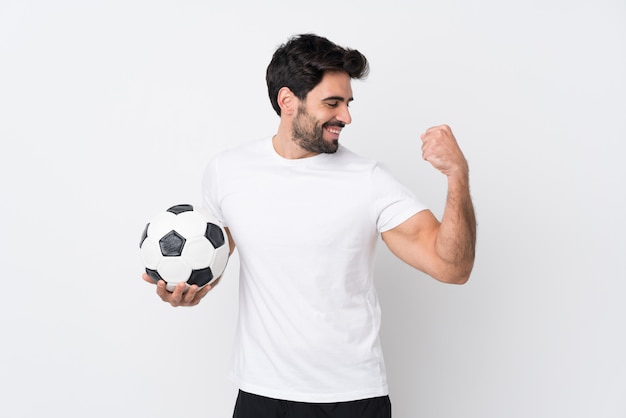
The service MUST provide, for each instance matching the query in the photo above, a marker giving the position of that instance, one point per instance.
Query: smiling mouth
(334, 128)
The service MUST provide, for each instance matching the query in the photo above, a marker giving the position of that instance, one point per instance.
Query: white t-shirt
(306, 231)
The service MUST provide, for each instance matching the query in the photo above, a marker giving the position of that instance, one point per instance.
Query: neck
(286, 147)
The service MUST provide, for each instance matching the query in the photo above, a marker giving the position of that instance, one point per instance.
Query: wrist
(459, 176)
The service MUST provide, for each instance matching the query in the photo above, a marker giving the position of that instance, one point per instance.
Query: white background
(110, 109)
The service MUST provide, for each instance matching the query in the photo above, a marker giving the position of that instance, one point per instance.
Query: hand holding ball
(184, 244)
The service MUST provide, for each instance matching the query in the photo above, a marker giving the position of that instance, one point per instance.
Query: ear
(287, 101)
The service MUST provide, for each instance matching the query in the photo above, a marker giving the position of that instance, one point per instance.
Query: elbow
(461, 279)
(455, 275)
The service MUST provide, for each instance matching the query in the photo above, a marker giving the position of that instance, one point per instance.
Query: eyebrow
(339, 98)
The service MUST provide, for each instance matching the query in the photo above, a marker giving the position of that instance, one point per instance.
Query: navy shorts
(249, 405)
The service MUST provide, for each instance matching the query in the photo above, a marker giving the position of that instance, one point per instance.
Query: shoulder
(349, 160)
(349, 155)
(377, 170)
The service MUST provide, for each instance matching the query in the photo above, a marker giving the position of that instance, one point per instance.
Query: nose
(344, 115)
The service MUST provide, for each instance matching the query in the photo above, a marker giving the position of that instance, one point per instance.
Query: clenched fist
(439, 147)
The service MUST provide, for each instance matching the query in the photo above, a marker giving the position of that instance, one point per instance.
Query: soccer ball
(184, 244)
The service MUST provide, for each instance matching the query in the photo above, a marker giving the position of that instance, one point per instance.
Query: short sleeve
(393, 202)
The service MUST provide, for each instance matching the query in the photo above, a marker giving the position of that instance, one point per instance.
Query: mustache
(335, 123)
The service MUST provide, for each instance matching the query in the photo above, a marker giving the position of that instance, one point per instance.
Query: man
(305, 214)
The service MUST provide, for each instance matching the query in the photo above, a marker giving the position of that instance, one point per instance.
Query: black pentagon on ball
(144, 235)
(200, 277)
(214, 234)
(180, 209)
(172, 244)
(154, 275)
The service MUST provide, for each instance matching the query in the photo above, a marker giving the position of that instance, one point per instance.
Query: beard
(308, 133)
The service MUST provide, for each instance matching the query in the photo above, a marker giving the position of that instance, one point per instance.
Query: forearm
(456, 238)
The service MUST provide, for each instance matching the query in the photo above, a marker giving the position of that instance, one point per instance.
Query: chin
(332, 147)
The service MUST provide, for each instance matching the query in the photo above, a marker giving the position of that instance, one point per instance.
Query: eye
(332, 104)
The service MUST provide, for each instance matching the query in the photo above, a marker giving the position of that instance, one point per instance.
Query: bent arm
(444, 250)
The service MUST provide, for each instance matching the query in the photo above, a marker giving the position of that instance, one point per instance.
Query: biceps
(413, 241)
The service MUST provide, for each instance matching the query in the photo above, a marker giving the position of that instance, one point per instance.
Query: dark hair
(300, 65)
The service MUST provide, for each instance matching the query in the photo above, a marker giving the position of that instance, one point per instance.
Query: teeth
(334, 131)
